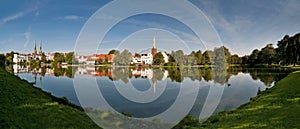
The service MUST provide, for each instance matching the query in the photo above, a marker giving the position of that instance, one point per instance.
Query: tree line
(286, 53)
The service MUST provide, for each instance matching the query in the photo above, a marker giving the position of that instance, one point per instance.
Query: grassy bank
(23, 106)
(278, 107)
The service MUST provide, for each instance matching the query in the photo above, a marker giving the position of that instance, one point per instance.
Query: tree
(254, 57)
(2, 60)
(268, 54)
(137, 55)
(69, 57)
(198, 56)
(158, 59)
(234, 59)
(123, 58)
(206, 57)
(113, 52)
(179, 57)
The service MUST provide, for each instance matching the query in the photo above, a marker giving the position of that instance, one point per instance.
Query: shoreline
(225, 119)
(277, 107)
(25, 106)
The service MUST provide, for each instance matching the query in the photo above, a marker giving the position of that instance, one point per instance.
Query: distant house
(50, 56)
(136, 60)
(166, 57)
(20, 58)
(104, 57)
(81, 59)
(147, 59)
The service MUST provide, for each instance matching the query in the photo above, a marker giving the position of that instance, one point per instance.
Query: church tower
(40, 51)
(34, 51)
(154, 50)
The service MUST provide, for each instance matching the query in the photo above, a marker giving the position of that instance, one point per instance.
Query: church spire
(41, 45)
(40, 51)
(34, 51)
(154, 50)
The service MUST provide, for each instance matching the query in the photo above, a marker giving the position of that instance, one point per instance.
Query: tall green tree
(123, 58)
(254, 57)
(268, 54)
(2, 60)
(179, 57)
(69, 57)
(158, 59)
(206, 57)
(198, 56)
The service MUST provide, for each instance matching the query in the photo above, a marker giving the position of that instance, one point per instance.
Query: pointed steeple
(41, 45)
(34, 50)
(154, 50)
(34, 45)
(154, 41)
(40, 51)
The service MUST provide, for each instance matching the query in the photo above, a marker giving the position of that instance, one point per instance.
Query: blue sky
(242, 25)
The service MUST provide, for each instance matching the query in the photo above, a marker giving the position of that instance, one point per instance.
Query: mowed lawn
(23, 106)
(277, 107)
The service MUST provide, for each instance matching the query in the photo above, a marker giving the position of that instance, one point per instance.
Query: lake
(146, 92)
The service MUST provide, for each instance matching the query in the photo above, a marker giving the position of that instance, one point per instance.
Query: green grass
(24, 106)
(278, 107)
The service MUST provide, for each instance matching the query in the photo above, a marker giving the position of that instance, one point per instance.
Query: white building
(20, 58)
(50, 56)
(136, 60)
(147, 59)
(166, 57)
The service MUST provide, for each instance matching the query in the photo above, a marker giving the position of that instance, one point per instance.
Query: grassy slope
(278, 107)
(23, 106)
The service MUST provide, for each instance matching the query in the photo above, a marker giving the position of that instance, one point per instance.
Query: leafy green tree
(179, 57)
(254, 57)
(43, 58)
(69, 57)
(137, 55)
(234, 59)
(113, 52)
(198, 56)
(123, 58)
(2, 60)
(59, 57)
(158, 59)
(268, 54)
(206, 57)
(9, 57)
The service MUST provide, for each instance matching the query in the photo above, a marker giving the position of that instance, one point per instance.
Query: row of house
(95, 58)
(35, 55)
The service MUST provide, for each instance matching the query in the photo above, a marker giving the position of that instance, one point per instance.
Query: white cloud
(70, 17)
(16, 15)
(11, 18)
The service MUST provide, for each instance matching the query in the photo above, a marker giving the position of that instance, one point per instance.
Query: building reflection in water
(267, 76)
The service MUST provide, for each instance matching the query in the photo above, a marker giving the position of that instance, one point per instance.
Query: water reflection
(176, 74)
(159, 84)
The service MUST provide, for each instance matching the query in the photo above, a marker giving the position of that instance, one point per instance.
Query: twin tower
(35, 51)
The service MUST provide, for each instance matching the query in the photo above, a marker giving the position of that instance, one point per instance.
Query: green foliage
(288, 51)
(206, 57)
(24, 106)
(113, 52)
(2, 60)
(123, 58)
(158, 59)
(9, 57)
(69, 57)
(35, 63)
(277, 107)
(267, 54)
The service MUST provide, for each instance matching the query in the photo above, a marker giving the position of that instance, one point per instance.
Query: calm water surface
(159, 88)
